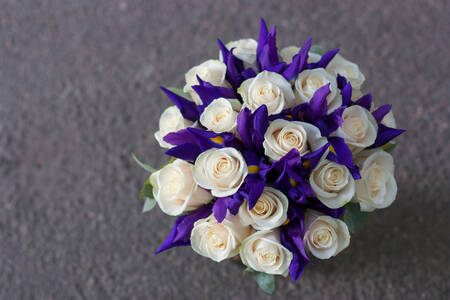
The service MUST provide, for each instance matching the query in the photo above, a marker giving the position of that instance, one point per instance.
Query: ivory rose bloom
(339, 65)
(244, 49)
(270, 211)
(377, 187)
(281, 136)
(356, 94)
(220, 116)
(262, 251)
(175, 190)
(332, 184)
(389, 120)
(220, 170)
(288, 53)
(267, 88)
(325, 236)
(309, 81)
(359, 129)
(212, 71)
(218, 241)
(171, 120)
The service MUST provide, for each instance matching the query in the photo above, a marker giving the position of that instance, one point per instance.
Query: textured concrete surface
(79, 92)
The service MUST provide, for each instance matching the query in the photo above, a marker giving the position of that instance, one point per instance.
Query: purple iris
(190, 142)
(181, 231)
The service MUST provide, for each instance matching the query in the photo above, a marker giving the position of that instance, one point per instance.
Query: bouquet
(276, 156)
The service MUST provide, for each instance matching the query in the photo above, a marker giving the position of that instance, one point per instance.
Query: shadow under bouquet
(276, 157)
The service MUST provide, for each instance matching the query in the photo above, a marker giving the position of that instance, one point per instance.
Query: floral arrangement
(276, 157)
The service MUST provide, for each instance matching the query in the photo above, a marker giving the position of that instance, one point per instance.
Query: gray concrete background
(79, 91)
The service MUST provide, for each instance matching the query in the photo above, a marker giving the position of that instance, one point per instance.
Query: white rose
(262, 251)
(244, 49)
(220, 170)
(359, 129)
(270, 211)
(356, 94)
(339, 65)
(218, 241)
(267, 88)
(281, 136)
(212, 71)
(220, 116)
(175, 190)
(332, 184)
(377, 187)
(288, 53)
(171, 120)
(389, 120)
(325, 236)
(309, 81)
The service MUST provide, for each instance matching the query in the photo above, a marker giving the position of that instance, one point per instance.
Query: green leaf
(148, 204)
(180, 93)
(389, 147)
(265, 281)
(354, 217)
(146, 167)
(317, 49)
(147, 190)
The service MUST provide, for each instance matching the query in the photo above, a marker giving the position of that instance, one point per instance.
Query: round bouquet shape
(276, 156)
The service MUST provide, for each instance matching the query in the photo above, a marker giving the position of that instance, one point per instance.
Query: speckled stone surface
(79, 91)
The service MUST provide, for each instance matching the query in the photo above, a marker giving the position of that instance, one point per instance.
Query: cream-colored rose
(377, 187)
(281, 136)
(171, 120)
(267, 88)
(220, 170)
(309, 81)
(325, 236)
(332, 184)
(218, 241)
(356, 94)
(389, 120)
(219, 116)
(212, 71)
(270, 211)
(339, 65)
(244, 49)
(263, 252)
(288, 53)
(359, 129)
(175, 190)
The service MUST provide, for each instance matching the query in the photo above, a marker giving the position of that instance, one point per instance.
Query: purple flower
(187, 108)
(190, 142)
(181, 231)
(292, 238)
(208, 92)
(298, 63)
(252, 126)
(384, 134)
(324, 60)
(292, 171)
(266, 52)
